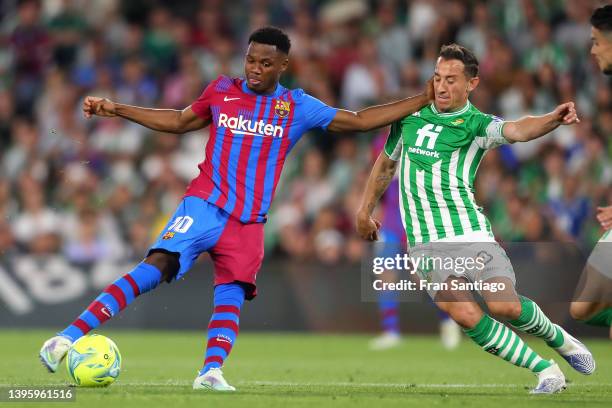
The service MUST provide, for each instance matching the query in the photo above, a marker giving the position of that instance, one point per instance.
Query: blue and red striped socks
(113, 299)
(223, 326)
(388, 305)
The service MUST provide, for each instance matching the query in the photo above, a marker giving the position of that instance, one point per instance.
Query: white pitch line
(394, 385)
(313, 384)
(382, 385)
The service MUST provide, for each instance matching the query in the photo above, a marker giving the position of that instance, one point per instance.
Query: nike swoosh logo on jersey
(226, 99)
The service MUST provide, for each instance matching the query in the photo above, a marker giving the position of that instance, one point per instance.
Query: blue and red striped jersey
(250, 137)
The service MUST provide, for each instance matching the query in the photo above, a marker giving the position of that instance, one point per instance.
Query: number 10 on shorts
(181, 224)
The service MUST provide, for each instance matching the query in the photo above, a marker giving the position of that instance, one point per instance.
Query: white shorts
(474, 236)
(475, 256)
(601, 257)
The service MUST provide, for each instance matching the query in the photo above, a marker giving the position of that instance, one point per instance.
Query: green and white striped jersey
(440, 153)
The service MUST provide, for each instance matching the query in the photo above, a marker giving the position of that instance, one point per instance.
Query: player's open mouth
(254, 81)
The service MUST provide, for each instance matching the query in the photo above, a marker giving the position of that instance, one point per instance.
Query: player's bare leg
(593, 300)
(583, 310)
(450, 332)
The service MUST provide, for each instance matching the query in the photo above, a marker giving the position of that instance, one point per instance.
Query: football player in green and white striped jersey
(593, 303)
(439, 153)
(438, 150)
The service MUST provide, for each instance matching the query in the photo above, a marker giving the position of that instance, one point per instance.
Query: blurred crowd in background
(102, 189)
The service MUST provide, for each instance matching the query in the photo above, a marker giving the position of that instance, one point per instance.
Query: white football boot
(212, 380)
(450, 334)
(53, 352)
(550, 380)
(385, 341)
(576, 354)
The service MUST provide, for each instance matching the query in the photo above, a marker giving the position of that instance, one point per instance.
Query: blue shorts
(198, 226)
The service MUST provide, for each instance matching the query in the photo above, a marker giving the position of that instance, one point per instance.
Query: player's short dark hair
(272, 36)
(602, 18)
(459, 52)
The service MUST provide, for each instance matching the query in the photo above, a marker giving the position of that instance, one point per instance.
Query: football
(93, 361)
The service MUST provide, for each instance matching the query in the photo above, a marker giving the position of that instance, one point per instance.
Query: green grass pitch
(303, 370)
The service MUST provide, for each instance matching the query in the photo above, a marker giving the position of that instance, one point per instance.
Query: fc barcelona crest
(282, 108)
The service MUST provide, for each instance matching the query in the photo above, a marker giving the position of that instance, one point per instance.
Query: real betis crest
(282, 108)
(457, 122)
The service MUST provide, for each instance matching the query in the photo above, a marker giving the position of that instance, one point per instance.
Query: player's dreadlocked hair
(458, 52)
(271, 36)
(602, 18)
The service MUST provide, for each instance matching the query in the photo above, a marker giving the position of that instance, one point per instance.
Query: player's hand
(429, 90)
(367, 227)
(566, 114)
(604, 216)
(92, 105)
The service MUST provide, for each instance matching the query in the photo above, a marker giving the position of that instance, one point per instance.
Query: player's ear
(284, 64)
(473, 83)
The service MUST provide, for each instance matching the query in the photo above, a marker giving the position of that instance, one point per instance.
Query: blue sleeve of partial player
(317, 114)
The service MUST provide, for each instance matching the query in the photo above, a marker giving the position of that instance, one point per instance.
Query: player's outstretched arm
(163, 120)
(604, 216)
(381, 115)
(380, 178)
(532, 127)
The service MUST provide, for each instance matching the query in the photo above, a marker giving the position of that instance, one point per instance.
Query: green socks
(495, 338)
(533, 321)
(603, 318)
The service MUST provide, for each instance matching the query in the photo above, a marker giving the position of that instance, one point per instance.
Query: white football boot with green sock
(533, 321)
(497, 339)
(550, 380)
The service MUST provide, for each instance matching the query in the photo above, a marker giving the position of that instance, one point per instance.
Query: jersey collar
(447, 114)
(277, 92)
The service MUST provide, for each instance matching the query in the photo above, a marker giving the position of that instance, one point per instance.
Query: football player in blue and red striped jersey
(254, 123)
